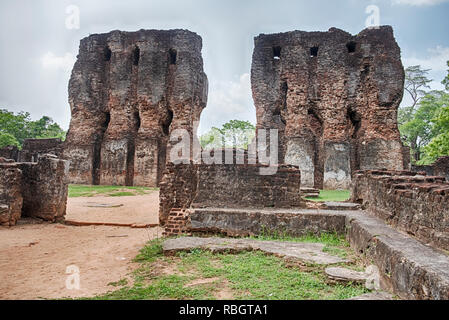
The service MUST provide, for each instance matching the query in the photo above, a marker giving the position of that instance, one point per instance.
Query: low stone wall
(230, 186)
(251, 222)
(10, 152)
(37, 190)
(409, 201)
(177, 189)
(439, 168)
(34, 148)
(10, 193)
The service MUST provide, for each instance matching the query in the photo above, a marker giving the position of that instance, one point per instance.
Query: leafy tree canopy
(418, 123)
(15, 128)
(235, 133)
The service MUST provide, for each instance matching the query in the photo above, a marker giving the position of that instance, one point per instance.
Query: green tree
(445, 81)
(20, 127)
(416, 84)
(7, 139)
(439, 146)
(45, 127)
(15, 125)
(420, 130)
(235, 133)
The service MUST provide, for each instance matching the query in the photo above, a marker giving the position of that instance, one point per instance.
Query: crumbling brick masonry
(127, 93)
(229, 186)
(37, 190)
(334, 99)
(414, 203)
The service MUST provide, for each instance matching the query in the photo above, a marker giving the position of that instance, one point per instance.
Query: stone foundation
(439, 168)
(37, 190)
(9, 152)
(231, 186)
(10, 193)
(34, 148)
(414, 203)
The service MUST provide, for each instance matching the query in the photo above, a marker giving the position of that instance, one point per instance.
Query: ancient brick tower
(334, 99)
(127, 93)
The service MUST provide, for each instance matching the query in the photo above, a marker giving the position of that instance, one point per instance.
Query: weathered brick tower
(334, 99)
(127, 93)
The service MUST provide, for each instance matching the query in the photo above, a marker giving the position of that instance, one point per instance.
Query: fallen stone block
(342, 206)
(377, 295)
(248, 221)
(345, 275)
(308, 252)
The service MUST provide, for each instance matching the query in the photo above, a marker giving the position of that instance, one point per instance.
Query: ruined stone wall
(33, 148)
(230, 186)
(412, 202)
(37, 190)
(10, 152)
(439, 168)
(10, 193)
(128, 92)
(334, 99)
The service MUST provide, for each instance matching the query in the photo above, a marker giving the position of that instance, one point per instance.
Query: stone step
(408, 268)
(346, 275)
(308, 252)
(310, 192)
(342, 206)
(376, 295)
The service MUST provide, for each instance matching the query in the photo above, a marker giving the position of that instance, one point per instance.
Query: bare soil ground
(128, 210)
(34, 257)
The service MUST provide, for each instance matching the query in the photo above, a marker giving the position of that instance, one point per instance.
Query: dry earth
(34, 257)
(129, 210)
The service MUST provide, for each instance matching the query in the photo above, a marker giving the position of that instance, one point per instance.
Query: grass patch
(247, 275)
(76, 190)
(332, 195)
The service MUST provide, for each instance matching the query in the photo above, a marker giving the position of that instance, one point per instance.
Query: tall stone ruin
(127, 93)
(334, 99)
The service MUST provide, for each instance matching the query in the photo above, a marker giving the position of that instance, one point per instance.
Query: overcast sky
(39, 42)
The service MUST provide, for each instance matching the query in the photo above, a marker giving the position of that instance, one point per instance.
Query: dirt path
(132, 210)
(34, 257)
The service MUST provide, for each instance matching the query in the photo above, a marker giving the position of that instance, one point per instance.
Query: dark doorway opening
(172, 56)
(166, 124)
(136, 56)
(277, 53)
(96, 157)
(351, 45)
(314, 51)
(355, 121)
(107, 54)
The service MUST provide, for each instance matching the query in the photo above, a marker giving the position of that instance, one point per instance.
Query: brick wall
(33, 148)
(439, 168)
(410, 201)
(177, 221)
(10, 193)
(232, 186)
(10, 152)
(37, 190)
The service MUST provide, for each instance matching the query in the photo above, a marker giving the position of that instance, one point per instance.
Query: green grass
(332, 195)
(76, 190)
(246, 275)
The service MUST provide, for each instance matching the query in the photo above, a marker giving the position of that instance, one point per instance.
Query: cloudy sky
(39, 41)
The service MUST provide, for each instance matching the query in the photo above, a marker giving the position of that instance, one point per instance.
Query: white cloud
(418, 3)
(51, 61)
(436, 59)
(228, 100)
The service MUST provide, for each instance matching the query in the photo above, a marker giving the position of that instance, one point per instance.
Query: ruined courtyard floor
(34, 257)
